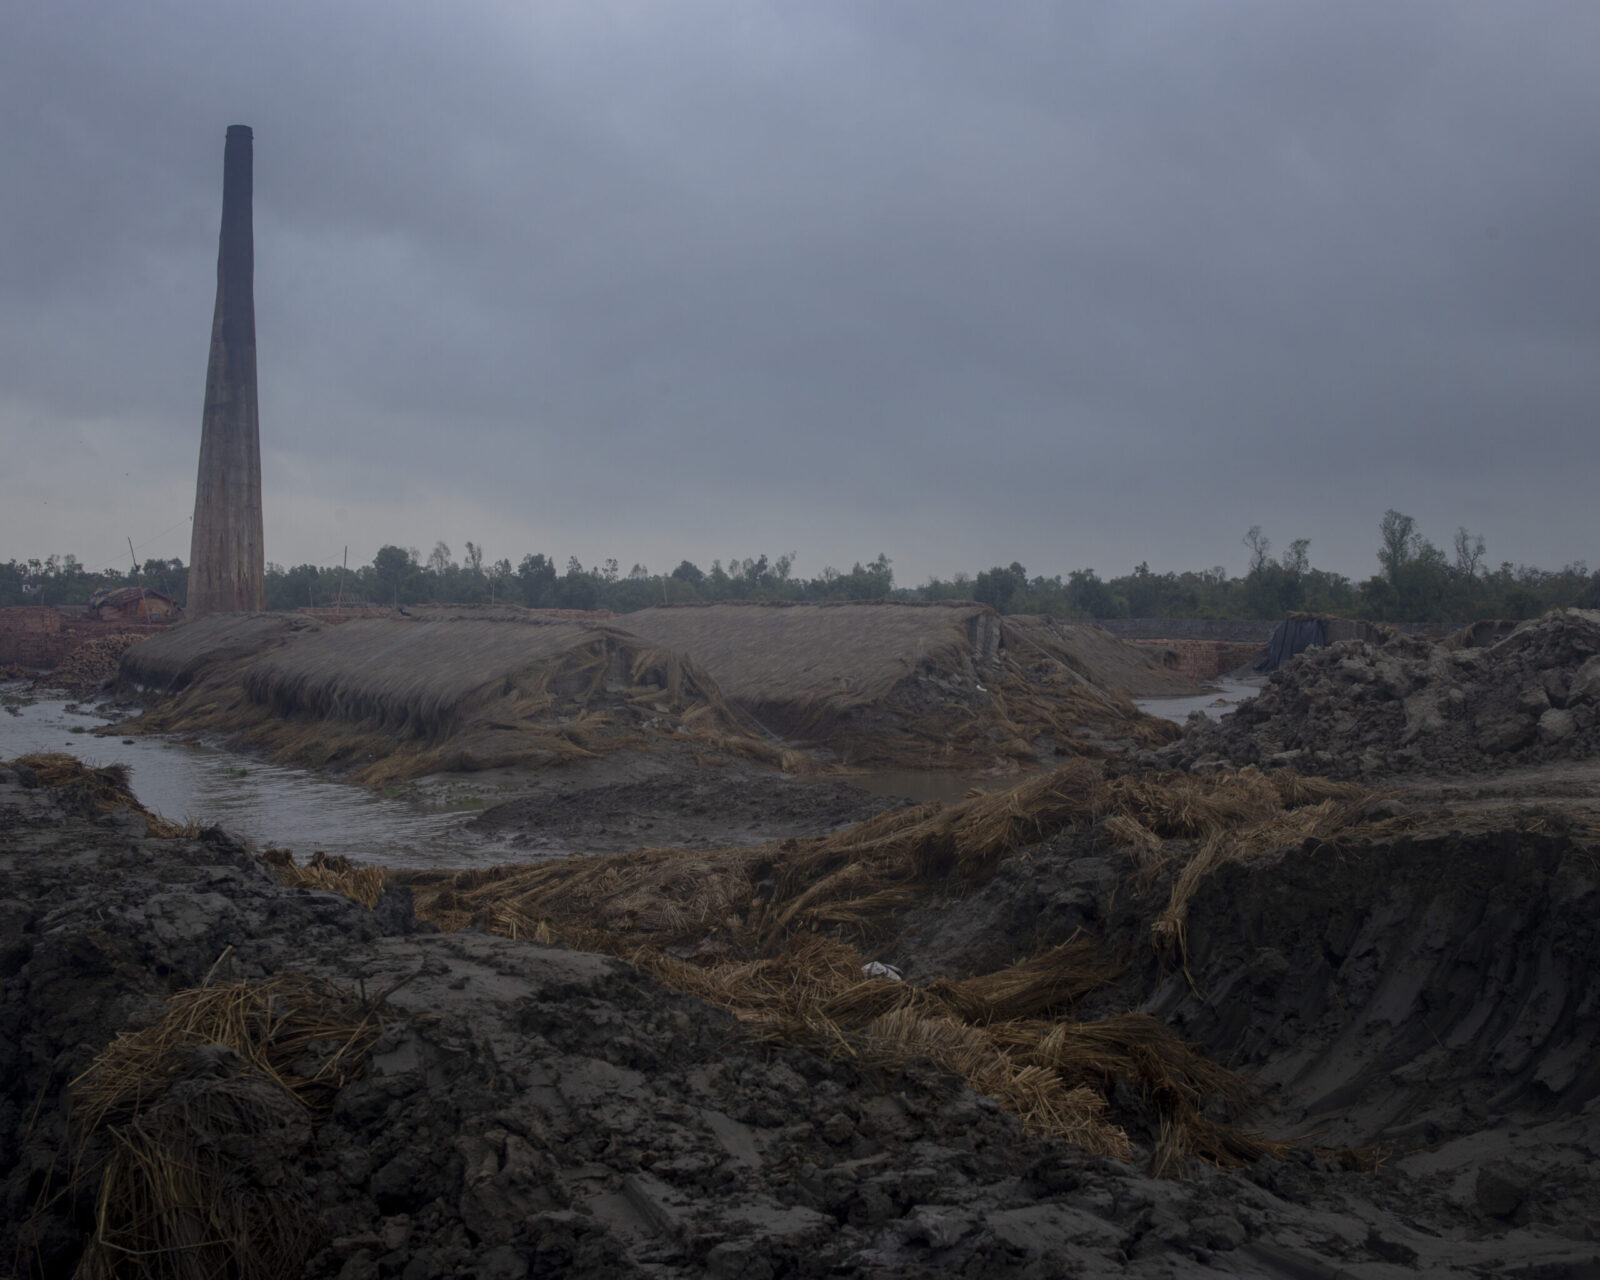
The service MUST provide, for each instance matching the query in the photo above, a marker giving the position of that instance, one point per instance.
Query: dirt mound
(1358, 709)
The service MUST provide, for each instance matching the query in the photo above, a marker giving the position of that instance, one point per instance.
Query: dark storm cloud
(1065, 283)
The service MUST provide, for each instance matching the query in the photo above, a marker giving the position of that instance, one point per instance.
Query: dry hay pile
(362, 882)
(1358, 708)
(390, 698)
(186, 1133)
(904, 685)
(782, 935)
(95, 789)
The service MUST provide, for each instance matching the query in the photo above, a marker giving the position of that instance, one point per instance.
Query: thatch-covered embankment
(176, 658)
(389, 698)
(796, 686)
(1100, 658)
(917, 686)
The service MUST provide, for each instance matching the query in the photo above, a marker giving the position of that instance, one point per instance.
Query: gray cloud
(1078, 285)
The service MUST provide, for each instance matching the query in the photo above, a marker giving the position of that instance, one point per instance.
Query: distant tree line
(63, 580)
(1415, 582)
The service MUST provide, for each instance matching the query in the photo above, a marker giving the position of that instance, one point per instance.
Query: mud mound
(1357, 709)
(1432, 994)
(1108, 663)
(186, 1132)
(782, 936)
(914, 686)
(94, 791)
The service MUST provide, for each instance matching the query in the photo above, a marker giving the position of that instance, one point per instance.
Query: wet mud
(528, 1110)
(711, 804)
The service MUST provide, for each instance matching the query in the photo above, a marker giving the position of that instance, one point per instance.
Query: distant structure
(227, 561)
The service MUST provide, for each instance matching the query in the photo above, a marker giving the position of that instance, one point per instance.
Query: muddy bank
(1428, 999)
(528, 1110)
(721, 804)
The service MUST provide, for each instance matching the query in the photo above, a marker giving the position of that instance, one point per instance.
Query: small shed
(131, 603)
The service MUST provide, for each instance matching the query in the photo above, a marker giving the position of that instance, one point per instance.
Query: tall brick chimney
(227, 561)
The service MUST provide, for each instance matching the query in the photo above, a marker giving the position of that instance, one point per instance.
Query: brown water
(267, 804)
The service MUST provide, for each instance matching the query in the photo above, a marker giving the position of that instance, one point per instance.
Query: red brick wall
(1204, 659)
(38, 637)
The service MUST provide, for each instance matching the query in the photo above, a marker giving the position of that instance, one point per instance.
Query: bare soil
(532, 1111)
(1408, 706)
(632, 800)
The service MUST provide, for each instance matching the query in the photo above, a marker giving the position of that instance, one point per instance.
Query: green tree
(393, 569)
(1089, 597)
(536, 577)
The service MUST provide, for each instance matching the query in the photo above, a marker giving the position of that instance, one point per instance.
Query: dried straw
(917, 685)
(339, 874)
(392, 698)
(186, 1127)
(102, 789)
(776, 935)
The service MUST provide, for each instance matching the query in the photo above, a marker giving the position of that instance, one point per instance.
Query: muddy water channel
(1218, 702)
(267, 804)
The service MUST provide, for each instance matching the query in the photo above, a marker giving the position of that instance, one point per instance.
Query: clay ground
(535, 1111)
(632, 800)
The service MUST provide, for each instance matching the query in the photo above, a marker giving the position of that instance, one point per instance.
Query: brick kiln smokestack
(226, 551)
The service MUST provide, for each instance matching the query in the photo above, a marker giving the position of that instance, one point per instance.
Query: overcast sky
(1073, 284)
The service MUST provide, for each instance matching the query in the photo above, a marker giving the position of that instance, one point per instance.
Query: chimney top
(239, 131)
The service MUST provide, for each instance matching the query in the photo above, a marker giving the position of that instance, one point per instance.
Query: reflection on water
(1219, 702)
(267, 804)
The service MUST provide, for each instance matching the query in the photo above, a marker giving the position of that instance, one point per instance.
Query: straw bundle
(100, 789)
(188, 1125)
